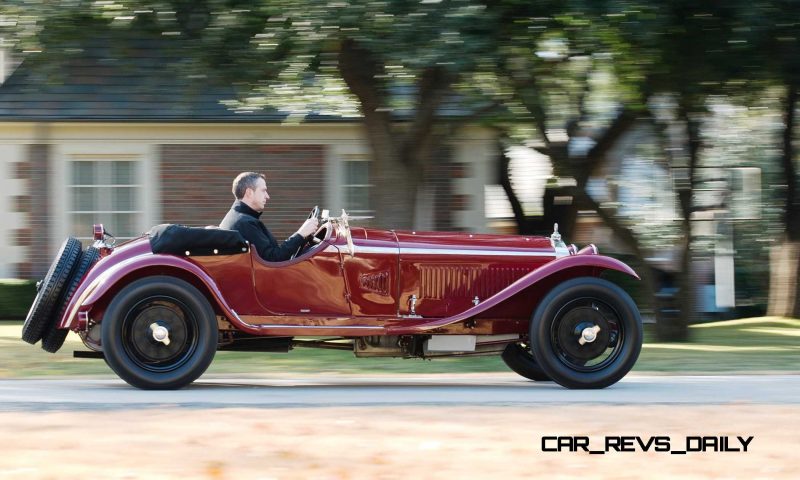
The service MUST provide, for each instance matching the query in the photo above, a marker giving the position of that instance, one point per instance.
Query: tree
(653, 50)
(774, 31)
(548, 68)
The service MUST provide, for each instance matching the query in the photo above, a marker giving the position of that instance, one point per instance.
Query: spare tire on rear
(54, 337)
(49, 291)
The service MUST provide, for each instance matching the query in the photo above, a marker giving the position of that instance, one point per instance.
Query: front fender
(108, 280)
(599, 262)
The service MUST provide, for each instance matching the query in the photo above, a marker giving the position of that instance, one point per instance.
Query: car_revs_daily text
(635, 443)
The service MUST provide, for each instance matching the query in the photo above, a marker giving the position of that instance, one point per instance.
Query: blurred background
(662, 131)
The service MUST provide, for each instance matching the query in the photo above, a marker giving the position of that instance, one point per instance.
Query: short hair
(243, 181)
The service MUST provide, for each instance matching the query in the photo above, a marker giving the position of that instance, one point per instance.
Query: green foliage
(16, 297)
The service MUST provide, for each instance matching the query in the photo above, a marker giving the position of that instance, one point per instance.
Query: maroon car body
(375, 292)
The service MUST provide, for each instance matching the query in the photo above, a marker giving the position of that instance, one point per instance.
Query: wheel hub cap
(582, 334)
(589, 335)
(160, 333)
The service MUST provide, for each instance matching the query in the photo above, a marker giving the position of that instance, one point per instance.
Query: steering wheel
(315, 213)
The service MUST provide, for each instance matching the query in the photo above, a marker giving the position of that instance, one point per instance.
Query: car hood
(471, 241)
(448, 242)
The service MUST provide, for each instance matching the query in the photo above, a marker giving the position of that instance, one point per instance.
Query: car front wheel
(586, 333)
(518, 358)
(159, 333)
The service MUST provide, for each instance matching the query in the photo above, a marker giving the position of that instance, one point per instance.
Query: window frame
(146, 178)
(343, 187)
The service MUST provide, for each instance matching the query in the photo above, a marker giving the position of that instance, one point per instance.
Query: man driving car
(250, 190)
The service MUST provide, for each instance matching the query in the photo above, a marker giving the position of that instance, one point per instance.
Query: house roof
(124, 80)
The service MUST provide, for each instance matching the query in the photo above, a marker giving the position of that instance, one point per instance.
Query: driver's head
(251, 189)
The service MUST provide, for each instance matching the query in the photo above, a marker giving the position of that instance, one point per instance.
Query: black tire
(54, 337)
(519, 359)
(128, 330)
(45, 303)
(559, 324)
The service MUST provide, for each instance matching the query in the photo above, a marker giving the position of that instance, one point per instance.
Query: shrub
(16, 297)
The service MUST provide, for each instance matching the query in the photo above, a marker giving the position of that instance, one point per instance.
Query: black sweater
(246, 221)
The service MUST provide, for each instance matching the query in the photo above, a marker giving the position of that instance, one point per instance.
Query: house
(114, 135)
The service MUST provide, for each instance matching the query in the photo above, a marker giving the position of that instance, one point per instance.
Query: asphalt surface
(445, 390)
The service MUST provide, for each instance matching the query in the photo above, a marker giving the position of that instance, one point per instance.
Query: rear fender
(113, 278)
(586, 264)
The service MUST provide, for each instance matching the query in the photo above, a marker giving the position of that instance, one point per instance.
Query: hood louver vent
(452, 281)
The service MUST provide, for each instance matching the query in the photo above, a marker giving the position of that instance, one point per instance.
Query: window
(356, 186)
(104, 190)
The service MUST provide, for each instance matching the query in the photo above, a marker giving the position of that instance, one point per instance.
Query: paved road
(457, 390)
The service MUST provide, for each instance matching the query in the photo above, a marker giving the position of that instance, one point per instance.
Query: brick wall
(196, 182)
(35, 236)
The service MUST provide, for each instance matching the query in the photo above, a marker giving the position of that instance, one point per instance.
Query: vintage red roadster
(158, 307)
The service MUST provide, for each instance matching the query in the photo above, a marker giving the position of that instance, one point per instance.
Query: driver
(250, 190)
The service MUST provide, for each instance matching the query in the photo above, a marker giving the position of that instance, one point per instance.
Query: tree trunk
(784, 259)
(399, 152)
(784, 290)
(677, 329)
(396, 182)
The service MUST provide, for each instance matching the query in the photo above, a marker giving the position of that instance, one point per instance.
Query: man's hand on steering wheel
(308, 229)
(311, 225)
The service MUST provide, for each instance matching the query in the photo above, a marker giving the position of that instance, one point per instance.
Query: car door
(371, 272)
(312, 284)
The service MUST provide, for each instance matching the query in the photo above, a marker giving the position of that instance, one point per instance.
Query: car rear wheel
(518, 357)
(159, 333)
(54, 337)
(586, 333)
(49, 291)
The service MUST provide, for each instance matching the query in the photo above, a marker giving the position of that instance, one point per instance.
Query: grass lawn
(741, 346)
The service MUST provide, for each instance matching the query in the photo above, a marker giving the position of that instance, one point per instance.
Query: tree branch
(619, 127)
(358, 69)
(433, 86)
(596, 157)
(694, 141)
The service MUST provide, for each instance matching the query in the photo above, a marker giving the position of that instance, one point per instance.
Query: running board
(259, 344)
(87, 354)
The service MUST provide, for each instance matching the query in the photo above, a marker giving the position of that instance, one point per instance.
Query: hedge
(16, 297)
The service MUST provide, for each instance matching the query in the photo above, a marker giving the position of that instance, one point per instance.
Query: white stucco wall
(9, 220)
(476, 148)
